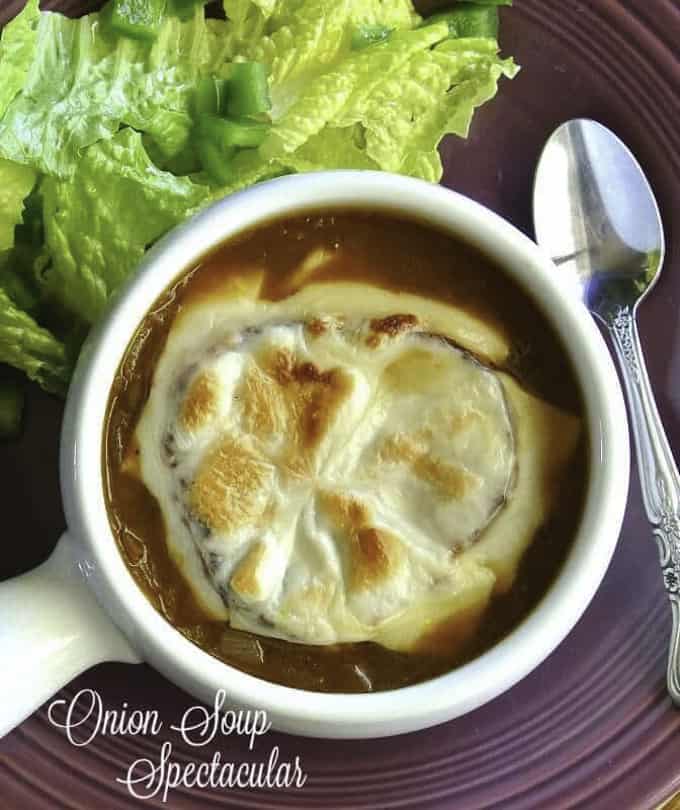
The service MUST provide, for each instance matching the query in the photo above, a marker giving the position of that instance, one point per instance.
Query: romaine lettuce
(99, 224)
(16, 182)
(84, 83)
(103, 128)
(34, 350)
(17, 49)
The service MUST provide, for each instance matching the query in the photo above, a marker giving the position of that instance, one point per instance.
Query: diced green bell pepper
(227, 133)
(469, 20)
(248, 90)
(217, 140)
(210, 96)
(216, 162)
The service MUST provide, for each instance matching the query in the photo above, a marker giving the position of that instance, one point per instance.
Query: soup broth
(392, 254)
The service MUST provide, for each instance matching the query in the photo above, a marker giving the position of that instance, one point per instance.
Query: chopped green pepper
(227, 133)
(139, 19)
(469, 20)
(11, 408)
(215, 161)
(217, 140)
(248, 90)
(368, 35)
(210, 96)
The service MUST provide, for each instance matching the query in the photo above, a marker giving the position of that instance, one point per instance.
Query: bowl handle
(51, 629)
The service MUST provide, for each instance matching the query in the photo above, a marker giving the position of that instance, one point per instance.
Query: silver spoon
(595, 214)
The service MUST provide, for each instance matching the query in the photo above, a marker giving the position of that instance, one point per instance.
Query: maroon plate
(593, 726)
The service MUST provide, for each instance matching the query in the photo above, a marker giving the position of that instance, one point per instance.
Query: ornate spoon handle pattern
(658, 471)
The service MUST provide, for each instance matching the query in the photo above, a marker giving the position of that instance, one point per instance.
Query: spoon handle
(658, 472)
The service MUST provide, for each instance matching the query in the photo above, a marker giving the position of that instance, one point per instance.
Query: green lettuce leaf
(343, 101)
(16, 182)
(96, 149)
(439, 92)
(333, 148)
(34, 350)
(300, 39)
(99, 224)
(28, 257)
(248, 168)
(439, 82)
(85, 83)
(330, 99)
(22, 265)
(17, 49)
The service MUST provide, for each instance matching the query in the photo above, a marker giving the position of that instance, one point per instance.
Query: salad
(117, 126)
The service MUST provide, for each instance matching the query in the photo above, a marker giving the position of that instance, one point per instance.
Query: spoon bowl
(595, 211)
(595, 214)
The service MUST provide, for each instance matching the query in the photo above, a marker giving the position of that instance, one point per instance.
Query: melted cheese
(332, 473)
